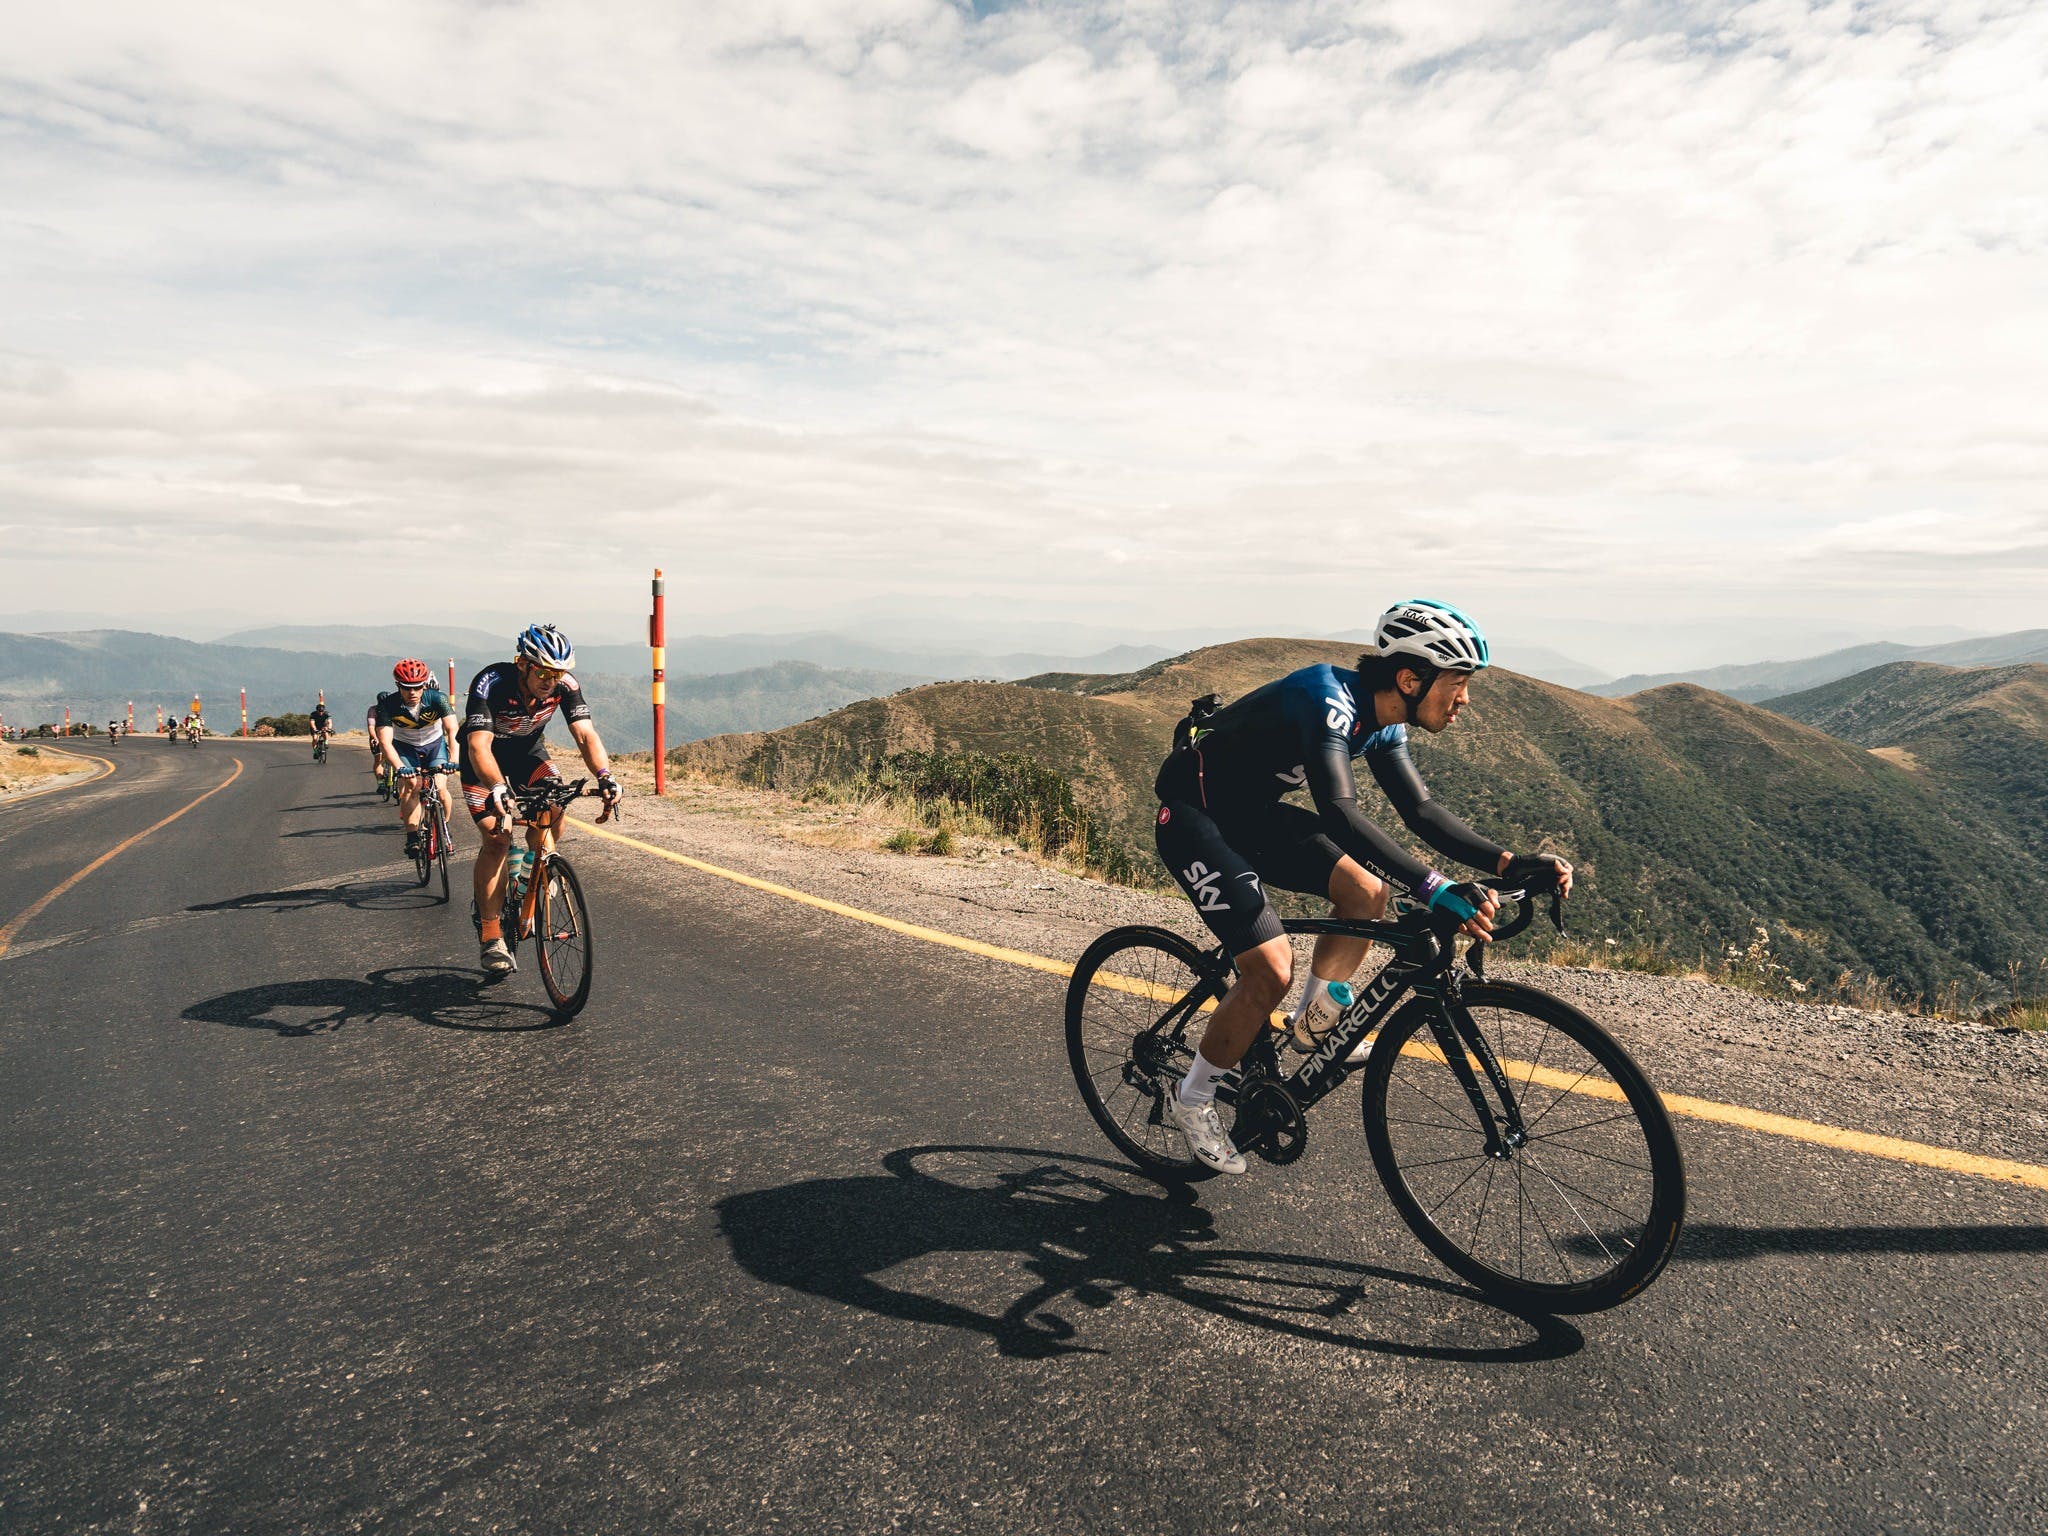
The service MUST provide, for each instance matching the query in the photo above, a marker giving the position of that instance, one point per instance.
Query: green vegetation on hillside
(1712, 833)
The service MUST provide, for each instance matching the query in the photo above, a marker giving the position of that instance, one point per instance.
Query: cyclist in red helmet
(415, 731)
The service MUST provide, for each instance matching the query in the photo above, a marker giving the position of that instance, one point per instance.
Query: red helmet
(410, 673)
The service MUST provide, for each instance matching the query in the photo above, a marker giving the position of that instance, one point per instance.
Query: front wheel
(1136, 1007)
(561, 938)
(440, 825)
(1573, 1203)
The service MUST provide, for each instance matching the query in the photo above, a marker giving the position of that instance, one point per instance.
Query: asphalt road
(801, 1226)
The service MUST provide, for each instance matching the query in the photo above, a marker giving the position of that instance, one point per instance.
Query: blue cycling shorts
(432, 755)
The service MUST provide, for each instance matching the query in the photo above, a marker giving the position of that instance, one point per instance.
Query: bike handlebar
(556, 794)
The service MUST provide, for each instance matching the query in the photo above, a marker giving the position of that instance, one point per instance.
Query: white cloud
(1649, 303)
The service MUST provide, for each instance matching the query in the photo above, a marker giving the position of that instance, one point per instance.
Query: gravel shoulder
(1962, 1086)
(23, 774)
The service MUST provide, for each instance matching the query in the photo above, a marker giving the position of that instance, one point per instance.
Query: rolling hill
(1694, 818)
(1980, 735)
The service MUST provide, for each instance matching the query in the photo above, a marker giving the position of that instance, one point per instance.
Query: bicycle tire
(1631, 1250)
(561, 929)
(1121, 1062)
(440, 844)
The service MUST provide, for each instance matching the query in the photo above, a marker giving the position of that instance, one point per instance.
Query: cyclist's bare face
(1437, 709)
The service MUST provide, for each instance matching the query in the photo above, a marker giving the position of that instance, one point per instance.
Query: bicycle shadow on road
(445, 997)
(1095, 1235)
(385, 828)
(397, 895)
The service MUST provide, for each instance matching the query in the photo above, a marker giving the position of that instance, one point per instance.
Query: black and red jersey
(499, 705)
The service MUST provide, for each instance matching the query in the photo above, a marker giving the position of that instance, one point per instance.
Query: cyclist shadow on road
(1096, 1235)
(443, 996)
(364, 895)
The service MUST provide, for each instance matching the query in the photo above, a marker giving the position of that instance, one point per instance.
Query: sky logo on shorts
(1204, 887)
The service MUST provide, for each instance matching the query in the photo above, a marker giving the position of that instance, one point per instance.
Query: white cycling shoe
(1203, 1128)
(497, 959)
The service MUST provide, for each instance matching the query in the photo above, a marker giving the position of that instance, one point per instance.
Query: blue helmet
(546, 646)
(1433, 632)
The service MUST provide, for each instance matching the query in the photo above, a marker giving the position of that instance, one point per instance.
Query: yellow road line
(50, 789)
(7, 934)
(1923, 1154)
(909, 930)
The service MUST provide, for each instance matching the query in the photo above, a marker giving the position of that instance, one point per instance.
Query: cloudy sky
(1660, 331)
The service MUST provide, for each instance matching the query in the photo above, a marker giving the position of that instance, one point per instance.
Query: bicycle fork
(1460, 1040)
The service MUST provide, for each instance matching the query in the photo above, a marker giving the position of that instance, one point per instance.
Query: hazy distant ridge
(1762, 680)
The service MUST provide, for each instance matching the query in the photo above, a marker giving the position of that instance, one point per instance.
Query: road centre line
(1922, 1154)
(7, 934)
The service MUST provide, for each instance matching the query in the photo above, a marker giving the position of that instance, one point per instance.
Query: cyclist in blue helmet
(504, 743)
(1225, 830)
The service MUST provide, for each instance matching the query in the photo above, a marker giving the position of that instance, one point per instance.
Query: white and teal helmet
(546, 646)
(1433, 632)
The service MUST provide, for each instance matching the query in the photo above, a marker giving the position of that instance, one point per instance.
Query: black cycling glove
(1535, 873)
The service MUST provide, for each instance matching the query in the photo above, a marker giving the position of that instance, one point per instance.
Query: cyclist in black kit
(1225, 832)
(504, 743)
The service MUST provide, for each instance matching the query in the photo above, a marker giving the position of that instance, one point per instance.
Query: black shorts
(1225, 866)
(523, 761)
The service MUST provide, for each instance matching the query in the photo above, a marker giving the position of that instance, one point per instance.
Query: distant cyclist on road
(415, 731)
(504, 743)
(323, 724)
(1225, 832)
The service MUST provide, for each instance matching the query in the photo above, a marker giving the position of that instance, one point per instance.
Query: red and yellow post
(245, 711)
(129, 723)
(657, 642)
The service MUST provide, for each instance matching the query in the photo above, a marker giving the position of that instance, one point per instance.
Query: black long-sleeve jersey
(1302, 732)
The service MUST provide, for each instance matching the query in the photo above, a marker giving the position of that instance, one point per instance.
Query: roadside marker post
(450, 689)
(657, 643)
(245, 711)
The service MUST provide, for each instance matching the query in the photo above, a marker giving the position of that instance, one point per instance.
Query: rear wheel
(1136, 1007)
(561, 937)
(1579, 1204)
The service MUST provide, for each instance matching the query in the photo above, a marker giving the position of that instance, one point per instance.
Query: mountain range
(1757, 681)
(1694, 818)
(98, 673)
(703, 655)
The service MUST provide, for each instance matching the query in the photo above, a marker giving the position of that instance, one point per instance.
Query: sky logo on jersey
(1343, 710)
(1294, 778)
(1204, 887)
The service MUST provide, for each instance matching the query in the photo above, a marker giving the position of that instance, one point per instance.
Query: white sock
(1316, 988)
(1199, 1086)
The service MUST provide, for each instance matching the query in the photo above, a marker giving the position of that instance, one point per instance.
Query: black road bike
(319, 749)
(547, 906)
(387, 782)
(430, 852)
(1514, 1135)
